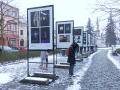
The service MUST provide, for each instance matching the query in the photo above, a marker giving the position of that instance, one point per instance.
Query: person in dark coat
(71, 57)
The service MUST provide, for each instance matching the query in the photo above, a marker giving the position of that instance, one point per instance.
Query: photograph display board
(93, 39)
(40, 27)
(84, 38)
(64, 33)
(78, 35)
(88, 40)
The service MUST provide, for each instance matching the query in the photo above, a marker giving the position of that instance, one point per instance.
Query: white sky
(77, 10)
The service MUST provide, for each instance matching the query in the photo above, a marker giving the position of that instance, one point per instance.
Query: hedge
(118, 50)
(12, 56)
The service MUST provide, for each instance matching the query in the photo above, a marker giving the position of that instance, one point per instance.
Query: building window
(12, 42)
(8, 27)
(21, 32)
(11, 26)
(14, 13)
(21, 42)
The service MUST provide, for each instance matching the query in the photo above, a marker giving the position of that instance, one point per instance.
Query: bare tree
(4, 9)
(107, 7)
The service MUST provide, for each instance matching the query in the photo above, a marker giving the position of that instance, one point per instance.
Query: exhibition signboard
(64, 34)
(84, 39)
(40, 28)
(78, 35)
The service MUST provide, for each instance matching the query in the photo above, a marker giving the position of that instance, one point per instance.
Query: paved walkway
(102, 74)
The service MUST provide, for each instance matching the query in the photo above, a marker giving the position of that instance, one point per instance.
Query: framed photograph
(84, 38)
(34, 19)
(45, 35)
(68, 38)
(77, 31)
(84, 41)
(35, 35)
(77, 39)
(67, 28)
(60, 28)
(78, 35)
(44, 18)
(84, 35)
(64, 38)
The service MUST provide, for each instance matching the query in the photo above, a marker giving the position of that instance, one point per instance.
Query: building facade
(22, 34)
(9, 19)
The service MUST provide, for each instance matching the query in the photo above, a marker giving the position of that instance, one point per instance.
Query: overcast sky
(77, 10)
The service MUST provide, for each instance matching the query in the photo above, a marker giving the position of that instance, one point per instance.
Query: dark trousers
(71, 69)
(47, 62)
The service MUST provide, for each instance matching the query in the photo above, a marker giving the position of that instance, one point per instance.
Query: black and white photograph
(67, 28)
(35, 19)
(77, 39)
(45, 35)
(64, 38)
(84, 41)
(35, 35)
(77, 31)
(60, 28)
(44, 18)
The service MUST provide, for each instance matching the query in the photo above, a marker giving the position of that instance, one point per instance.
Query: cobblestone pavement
(101, 75)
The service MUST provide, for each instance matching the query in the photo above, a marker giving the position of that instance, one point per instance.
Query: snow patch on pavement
(9, 72)
(114, 61)
(5, 78)
(79, 75)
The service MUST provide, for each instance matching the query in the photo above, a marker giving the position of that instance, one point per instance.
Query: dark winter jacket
(71, 56)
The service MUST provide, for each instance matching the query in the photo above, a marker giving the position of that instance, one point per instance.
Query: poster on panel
(78, 35)
(40, 28)
(88, 39)
(84, 38)
(64, 33)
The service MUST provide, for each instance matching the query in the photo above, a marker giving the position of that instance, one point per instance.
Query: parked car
(8, 49)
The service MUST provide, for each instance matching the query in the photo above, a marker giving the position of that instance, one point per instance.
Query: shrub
(117, 50)
(12, 56)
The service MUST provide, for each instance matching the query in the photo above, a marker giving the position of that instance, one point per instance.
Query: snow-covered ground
(17, 70)
(79, 75)
(114, 59)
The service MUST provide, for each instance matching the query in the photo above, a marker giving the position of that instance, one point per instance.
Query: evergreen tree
(89, 27)
(89, 30)
(110, 32)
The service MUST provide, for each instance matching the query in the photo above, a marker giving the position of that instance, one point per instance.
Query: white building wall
(23, 26)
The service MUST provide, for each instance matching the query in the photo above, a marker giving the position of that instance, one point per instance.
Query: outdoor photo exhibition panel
(89, 43)
(64, 33)
(78, 35)
(84, 39)
(40, 31)
(93, 39)
(40, 28)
